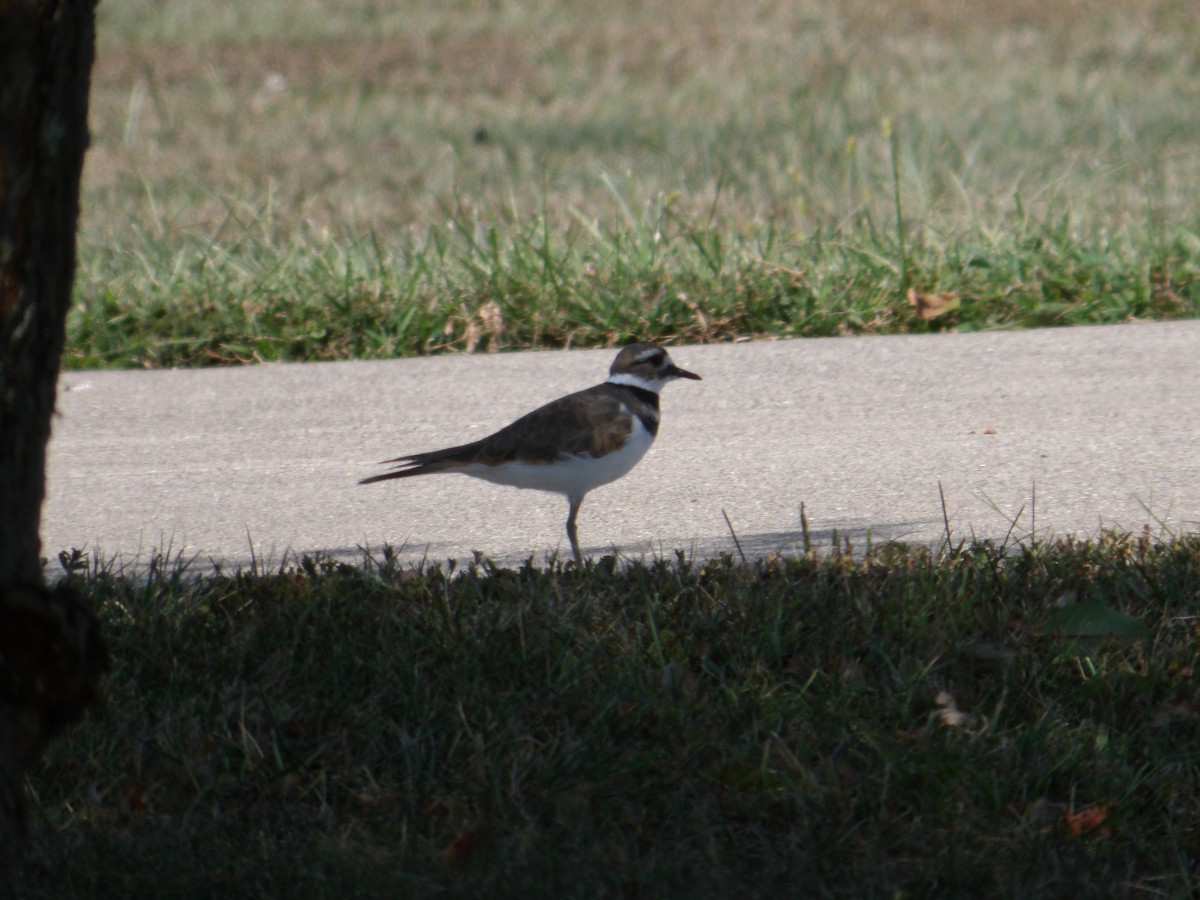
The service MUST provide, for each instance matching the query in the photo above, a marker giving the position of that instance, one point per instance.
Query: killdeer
(568, 446)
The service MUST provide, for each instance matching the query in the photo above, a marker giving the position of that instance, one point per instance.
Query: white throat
(654, 385)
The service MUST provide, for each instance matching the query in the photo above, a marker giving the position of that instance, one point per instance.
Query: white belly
(572, 475)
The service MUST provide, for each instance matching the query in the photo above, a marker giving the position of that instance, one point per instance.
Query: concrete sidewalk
(1103, 422)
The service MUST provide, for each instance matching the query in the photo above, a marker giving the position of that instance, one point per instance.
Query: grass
(299, 180)
(910, 723)
(282, 181)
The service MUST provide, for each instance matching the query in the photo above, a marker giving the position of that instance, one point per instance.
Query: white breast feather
(574, 474)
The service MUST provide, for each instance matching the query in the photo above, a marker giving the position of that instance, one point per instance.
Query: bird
(571, 445)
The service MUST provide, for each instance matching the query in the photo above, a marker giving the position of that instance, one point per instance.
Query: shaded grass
(901, 724)
(289, 181)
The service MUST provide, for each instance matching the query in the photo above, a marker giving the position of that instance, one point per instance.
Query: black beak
(676, 372)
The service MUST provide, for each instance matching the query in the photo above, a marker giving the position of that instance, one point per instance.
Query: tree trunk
(50, 650)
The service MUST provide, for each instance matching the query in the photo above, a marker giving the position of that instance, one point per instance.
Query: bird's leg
(571, 532)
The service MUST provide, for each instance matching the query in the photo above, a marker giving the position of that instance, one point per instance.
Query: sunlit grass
(270, 182)
(256, 295)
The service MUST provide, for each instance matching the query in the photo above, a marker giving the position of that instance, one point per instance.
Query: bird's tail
(426, 463)
(405, 466)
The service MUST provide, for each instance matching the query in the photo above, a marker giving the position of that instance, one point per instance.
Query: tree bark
(50, 650)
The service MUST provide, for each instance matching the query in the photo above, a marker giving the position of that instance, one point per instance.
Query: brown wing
(586, 422)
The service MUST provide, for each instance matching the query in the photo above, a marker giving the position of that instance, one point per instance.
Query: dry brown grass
(374, 121)
(292, 179)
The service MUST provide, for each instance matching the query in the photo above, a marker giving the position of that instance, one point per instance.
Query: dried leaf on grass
(929, 306)
(1087, 820)
(948, 712)
(458, 850)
